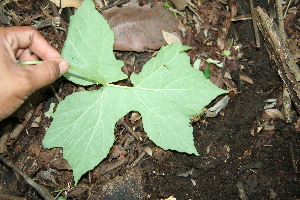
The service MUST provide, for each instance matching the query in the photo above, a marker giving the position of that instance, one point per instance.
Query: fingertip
(46, 72)
(63, 67)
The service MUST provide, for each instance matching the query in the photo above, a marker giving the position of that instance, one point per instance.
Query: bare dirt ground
(244, 152)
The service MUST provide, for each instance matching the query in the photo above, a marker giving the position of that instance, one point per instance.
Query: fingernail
(63, 66)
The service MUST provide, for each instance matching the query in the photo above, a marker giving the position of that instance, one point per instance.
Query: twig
(254, 21)
(287, 68)
(56, 95)
(129, 129)
(138, 159)
(4, 138)
(55, 22)
(287, 8)
(119, 3)
(19, 128)
(109, 166)
(280, 19)
(286, 97)
(39, 188)
(287, 105)
(192, 8)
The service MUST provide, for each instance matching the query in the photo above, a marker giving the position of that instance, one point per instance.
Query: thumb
(47, 72)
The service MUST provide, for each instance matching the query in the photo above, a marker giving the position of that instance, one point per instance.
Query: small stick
(287, 8)
(119, 3)
(56, 95)
(280, 19)
(287, 104)
(138, 159)
(129, 129)
(254, 21)
(55, 22)
(19, 128)
(39, 188)
(279, 52)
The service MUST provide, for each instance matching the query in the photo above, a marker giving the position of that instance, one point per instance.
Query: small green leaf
(226, 53)
(166, 4)
(89, 48)
(206, 72)
(216, 62)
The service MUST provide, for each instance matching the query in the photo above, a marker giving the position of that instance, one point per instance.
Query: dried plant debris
(139, 28)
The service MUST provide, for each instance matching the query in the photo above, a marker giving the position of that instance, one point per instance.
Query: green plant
(167, 92)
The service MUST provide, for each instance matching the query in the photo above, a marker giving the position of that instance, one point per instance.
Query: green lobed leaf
(167, 92)
(89, 48)
(84, 126)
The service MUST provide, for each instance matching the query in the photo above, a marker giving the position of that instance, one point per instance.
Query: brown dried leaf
(67, 3)
(274, 113)
(246, 79)
(170, 38)
(180, 4)
(140, 28)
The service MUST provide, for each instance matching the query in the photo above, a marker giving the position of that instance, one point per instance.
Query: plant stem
(34, 62)
(86, 74)
(30, 62)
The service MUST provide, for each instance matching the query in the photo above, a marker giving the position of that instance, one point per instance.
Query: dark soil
(240, 157)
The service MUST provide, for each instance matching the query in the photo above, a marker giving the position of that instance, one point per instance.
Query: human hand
(17, 82)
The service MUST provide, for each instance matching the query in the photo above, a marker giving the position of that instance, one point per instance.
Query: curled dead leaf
(67, 3)
(170, 38)
(180, 4)
(246, 79)
(274, 113)
(148, 150)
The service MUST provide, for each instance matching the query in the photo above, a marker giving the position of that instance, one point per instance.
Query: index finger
(28, 37)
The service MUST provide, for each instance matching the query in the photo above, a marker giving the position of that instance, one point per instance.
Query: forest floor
(245, 151)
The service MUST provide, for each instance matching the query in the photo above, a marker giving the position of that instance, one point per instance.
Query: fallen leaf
(213, 111)
(246, 79)
(179, 4)
(148, 150)
(135, 116)
(67, 3)
(139, 28)
(170, 198)
(170, 38)
(274, 113)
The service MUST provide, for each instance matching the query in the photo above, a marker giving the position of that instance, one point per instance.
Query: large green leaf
(167, 93)
(84, 126)
(89, 48)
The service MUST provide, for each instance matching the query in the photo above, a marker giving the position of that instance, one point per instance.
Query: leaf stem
(34, 62)
(86, 74)
(30, 62)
